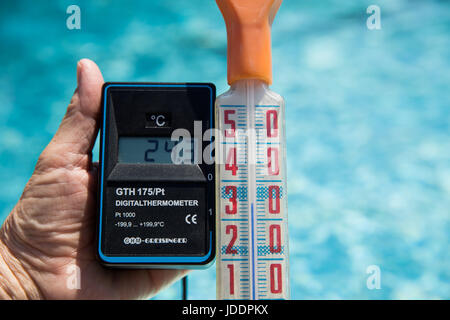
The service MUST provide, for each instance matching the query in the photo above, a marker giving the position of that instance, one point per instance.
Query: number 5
(231, 133)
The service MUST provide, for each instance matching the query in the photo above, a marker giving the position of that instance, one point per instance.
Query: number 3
(233, 200)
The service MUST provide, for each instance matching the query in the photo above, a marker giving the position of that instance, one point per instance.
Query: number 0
(275, 240)
(272, 124)
(275, 278)
(272, 161)
(277, 199)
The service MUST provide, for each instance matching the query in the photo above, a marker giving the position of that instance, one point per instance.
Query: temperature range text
(145, 224)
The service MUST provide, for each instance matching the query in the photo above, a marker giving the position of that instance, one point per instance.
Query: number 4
(231, 163)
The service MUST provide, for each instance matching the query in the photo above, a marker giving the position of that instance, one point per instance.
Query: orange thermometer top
(248, 25)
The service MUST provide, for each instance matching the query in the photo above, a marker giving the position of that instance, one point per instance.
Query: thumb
(78, 130)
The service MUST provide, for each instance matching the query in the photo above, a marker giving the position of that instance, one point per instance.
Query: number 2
(148, 153)
(233, 230)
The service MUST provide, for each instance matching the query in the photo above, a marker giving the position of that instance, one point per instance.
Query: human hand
(52, 227)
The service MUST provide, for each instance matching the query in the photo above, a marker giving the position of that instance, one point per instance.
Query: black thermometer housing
(156, 211)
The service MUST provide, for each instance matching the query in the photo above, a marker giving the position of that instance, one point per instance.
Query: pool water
(368, 122)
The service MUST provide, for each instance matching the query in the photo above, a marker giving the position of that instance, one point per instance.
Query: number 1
(231, 268)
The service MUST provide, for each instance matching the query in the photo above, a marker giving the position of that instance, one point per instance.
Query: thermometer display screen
(152, 150)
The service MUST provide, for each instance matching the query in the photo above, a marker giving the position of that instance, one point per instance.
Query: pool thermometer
(252, 258)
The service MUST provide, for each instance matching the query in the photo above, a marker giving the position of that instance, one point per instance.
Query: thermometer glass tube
(252, 258)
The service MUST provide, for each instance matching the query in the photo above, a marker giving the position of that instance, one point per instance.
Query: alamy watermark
(374, 279)
(374, 20)
(73, 281)
(227, 146)
(73, 21)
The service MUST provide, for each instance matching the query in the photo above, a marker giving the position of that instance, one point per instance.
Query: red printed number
(272, 163)
(275, 240)
(231, 163)
(231, 268)
(233, 230)
(233, 200)
(275, 278)
(272, 123)
(274, 209)
(229, 133)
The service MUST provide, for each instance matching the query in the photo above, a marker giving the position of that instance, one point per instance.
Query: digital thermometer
(156, 183)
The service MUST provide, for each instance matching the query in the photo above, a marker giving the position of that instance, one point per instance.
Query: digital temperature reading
(156, 204)
(142, 150)
(154, 150)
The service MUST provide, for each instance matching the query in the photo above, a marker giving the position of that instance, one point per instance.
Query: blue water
(368, 122)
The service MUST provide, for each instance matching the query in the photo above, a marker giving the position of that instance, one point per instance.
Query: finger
(78, 129)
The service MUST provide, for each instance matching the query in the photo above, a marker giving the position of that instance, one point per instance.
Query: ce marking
(191, 219)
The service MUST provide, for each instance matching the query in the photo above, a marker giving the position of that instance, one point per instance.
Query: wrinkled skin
(52, 227)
